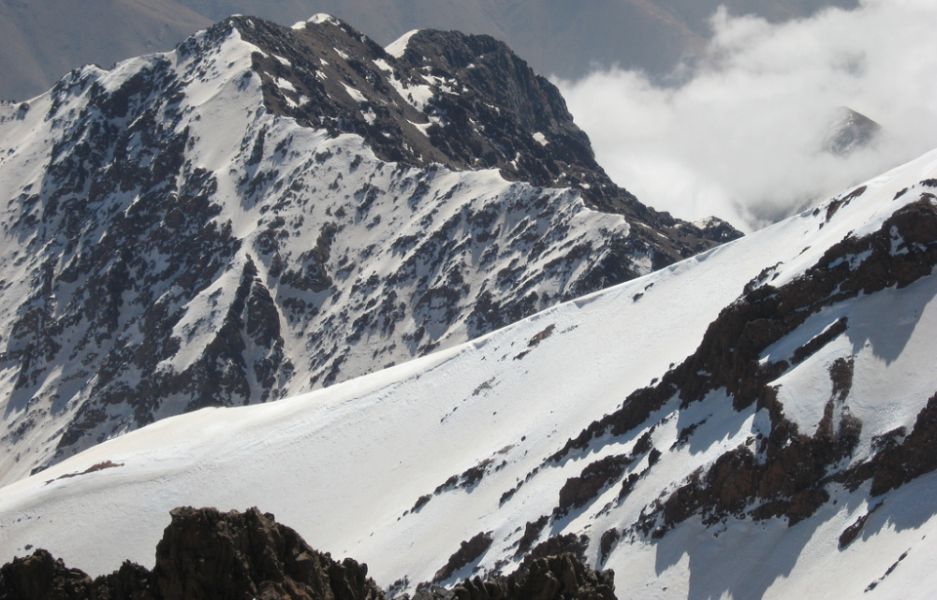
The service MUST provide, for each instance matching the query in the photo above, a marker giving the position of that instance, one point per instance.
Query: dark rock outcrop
(469, 551)
(40, 576)
(203, 554)
(901, 458)
(554, 577)
(595, 478)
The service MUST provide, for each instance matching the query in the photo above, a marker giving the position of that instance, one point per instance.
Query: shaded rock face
(781, 471)
(42, 576)
(209, 554)
(203, 554)
(850, 131)
(469, 552)
(465, 101)
(206, 554)
(269, 210)
(552, 577)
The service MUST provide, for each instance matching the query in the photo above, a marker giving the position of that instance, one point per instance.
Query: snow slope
(348, 466)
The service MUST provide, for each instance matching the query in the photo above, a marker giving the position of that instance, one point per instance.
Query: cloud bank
(743, 136)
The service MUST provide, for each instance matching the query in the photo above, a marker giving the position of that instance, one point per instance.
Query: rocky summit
(268, 210)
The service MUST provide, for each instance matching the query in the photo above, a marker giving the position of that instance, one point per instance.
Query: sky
(742, 137)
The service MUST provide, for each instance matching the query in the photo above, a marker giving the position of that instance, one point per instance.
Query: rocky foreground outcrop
(208, 554)
(538, 578)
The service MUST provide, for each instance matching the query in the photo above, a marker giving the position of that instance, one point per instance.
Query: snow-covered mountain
(268, 210)
(756, 421)
(850, 131)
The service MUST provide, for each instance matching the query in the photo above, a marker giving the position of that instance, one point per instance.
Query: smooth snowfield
(344, 466)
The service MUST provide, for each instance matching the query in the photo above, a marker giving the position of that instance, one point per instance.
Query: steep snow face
(224, 225)
(784, 443)
(398, 47)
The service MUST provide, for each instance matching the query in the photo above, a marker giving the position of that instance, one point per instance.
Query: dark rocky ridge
(208, 554)
(487, 106)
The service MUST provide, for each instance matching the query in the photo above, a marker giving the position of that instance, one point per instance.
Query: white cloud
(741, 138)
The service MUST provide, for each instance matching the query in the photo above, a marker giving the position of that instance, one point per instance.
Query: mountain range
(388, 295)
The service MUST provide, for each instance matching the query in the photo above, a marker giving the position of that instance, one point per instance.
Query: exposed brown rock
(850, 534)
(627, 485)
(469, 551)
(539, 337)
(107, 464)
(561, 544)
(897, 463)
(595, 478)
(845, 200)
(556, 577)
(40, 576)
(531, 532)
(208, 554)
(608, 542)
(811, 347)
(841, 372)
(203, 554)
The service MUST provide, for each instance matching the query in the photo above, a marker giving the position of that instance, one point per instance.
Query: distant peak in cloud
(771, 116)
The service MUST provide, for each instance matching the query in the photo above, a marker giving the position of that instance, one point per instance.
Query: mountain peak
(267, 210)
(399, 46)
(850, 130)
(318, 19)
(463, 101)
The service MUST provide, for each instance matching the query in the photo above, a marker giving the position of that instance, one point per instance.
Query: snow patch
(354, 93)
(323, 19)
(398, 47)
(284, 84)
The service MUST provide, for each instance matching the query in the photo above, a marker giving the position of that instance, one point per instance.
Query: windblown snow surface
(347, 465)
